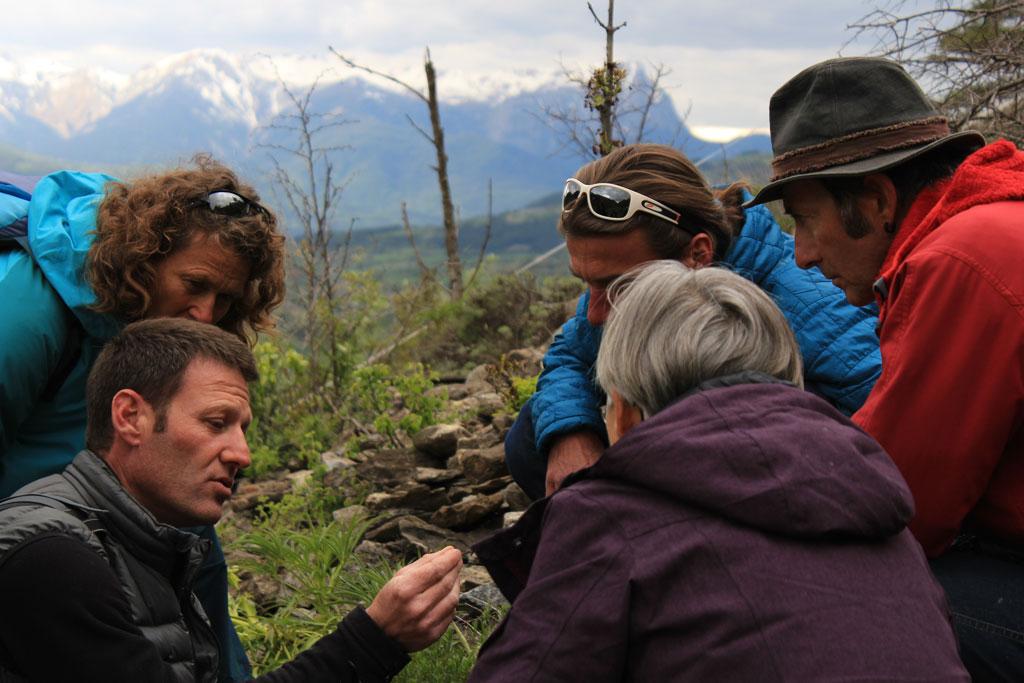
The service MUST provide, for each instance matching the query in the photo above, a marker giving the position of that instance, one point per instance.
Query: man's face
(852, 264)
(183, 474)
(598, 260)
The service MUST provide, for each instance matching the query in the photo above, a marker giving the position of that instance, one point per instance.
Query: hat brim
(875, 164)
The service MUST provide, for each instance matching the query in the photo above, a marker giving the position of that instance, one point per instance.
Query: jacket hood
(61, 222)
(995, 173)
(768, 456)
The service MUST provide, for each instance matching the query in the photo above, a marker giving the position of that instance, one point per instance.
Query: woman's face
(200, 281)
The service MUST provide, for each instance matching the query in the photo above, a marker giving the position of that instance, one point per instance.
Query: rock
(351, 514)
(482, 465)
(456, 391)
(300, 478)
(484, 598)
(484, 437)
(484, 405)
(333, 460)
(264, 590)
(431, 475)
(515, 497)
(439, 441)
(511, 518)
(370, 442)
(457, 493)
(414, 536)
(477, 380)
(360, 456)
(467, 512)
(372, 552)
(502, 422)
(388, 468)
(472, 576)
(527, 361)
(426, 537)
(411, 495)
(383, 527)
(252, 494)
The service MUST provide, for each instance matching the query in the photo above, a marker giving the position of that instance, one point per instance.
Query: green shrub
(393, 401)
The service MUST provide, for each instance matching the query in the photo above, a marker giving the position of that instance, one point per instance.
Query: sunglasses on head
(228, 203)
(614, 202)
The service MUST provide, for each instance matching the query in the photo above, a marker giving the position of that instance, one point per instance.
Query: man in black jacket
(95, 571)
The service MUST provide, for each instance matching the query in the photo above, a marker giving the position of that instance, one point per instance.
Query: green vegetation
(297, 547)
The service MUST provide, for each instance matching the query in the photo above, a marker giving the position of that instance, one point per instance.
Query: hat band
(857, 146)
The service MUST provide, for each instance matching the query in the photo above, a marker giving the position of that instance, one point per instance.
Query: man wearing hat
(894, 208)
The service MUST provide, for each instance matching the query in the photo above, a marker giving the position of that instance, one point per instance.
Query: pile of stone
(449, 487)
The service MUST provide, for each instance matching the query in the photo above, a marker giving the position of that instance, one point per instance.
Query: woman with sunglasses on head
(91, 254)
(648, 202)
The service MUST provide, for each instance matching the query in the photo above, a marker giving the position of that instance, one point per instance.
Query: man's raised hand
(416, 606)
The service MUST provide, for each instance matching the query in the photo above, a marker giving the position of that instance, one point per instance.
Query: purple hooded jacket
(748, 532)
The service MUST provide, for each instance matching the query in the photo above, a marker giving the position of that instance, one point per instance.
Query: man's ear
(699, 252)
(623, 416)
(131, 416)
(878, 199)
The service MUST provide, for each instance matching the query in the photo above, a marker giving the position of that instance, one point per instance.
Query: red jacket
(948, 406)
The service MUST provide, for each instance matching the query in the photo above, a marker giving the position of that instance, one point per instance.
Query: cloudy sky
(725, 56)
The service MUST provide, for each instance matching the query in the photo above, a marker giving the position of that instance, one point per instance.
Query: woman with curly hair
(98, 254)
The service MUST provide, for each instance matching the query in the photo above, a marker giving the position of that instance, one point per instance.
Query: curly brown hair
(141, 222)
(664, 174)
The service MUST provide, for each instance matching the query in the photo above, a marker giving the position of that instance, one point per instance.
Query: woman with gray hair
(738, 529)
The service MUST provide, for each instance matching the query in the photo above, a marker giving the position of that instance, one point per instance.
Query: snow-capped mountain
(224, 104)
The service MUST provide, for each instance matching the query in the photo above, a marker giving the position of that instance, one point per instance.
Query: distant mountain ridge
(213, 101)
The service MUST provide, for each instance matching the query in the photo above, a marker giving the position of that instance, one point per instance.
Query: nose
(203, 308)
(237, 451)
(804, 253)
(597, 310)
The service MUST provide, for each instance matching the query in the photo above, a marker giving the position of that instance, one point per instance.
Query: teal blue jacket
(43, 294)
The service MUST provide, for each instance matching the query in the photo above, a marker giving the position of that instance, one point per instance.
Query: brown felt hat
(850, 117)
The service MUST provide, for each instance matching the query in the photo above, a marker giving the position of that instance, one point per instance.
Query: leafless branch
(970, 59)
(487, 233)
(425, 272)
(380, 74)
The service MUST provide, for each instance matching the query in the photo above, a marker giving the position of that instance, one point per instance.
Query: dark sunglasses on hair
(614, 202)
(228, 203)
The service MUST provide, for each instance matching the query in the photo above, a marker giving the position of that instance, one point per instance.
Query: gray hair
(672, 328)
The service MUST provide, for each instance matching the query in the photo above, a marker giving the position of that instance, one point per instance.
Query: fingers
(423, 596)
(436, 621)
(418, 603)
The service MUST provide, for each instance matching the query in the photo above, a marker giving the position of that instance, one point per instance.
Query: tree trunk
(451, 228)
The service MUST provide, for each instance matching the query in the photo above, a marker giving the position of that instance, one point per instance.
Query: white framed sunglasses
(614, 202)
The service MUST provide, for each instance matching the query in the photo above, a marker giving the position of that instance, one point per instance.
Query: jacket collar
(160, 546)
(994, 173)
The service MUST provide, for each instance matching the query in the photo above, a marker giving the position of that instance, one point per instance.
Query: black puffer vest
(155, 563)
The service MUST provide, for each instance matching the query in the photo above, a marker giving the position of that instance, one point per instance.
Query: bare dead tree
(312, 195)
(598, 126)
(436, 138)
(969, 56)
(605, 84)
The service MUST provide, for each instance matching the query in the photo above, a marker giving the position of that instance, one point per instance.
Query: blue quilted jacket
(837, 340)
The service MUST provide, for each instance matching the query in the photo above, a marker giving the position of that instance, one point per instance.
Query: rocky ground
(449, 486)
